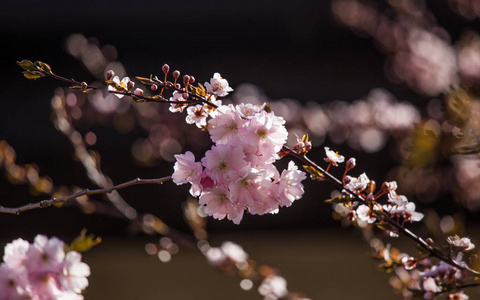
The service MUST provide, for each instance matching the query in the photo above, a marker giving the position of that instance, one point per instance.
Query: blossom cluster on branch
(45, 269)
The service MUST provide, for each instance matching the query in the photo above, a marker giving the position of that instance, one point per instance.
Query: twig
(84, 192)
(434, 251)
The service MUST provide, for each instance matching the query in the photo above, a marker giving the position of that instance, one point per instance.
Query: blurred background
(375, 80)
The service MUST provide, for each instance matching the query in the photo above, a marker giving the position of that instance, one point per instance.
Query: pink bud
(176, 74)
(186, 79)
(165, 68)
(110, 74)
(351, 162)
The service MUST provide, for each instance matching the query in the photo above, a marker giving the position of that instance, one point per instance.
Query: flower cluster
(42, 270)
(237, 173)
(369, 210)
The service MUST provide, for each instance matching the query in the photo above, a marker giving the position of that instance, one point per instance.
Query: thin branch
(84, 192)
(434, 251)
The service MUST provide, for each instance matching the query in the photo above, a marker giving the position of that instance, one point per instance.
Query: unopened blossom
(333, 157)
(218, 86)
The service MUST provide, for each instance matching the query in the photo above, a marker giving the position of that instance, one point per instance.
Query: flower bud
(130, 85)
(347, 179)
(178, 86)
(185, 95)
(84, 85)
(154, 87)
(138, 92)
(409, 263)
(165, 68)
(186, 79)
(192, 79)
(110, 74)
(176, 74)
(351, 162)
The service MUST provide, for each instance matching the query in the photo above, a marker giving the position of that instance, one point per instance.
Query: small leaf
(45, 67)
(147, 81)
(83, 243)
(32, 75)
(338, 199)
(27, 65)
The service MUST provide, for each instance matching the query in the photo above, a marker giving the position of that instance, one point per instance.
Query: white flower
(273, 287)
(218, 86)
(365, 214)
(333, 157)
(359, 184)
(121, 86)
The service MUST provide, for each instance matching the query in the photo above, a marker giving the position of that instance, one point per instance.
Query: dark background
(290, 49)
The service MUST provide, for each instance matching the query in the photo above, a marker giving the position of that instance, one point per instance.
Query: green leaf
(44, 66)
(27, 65)
(31, 75)
(83, 243)
(338, 199)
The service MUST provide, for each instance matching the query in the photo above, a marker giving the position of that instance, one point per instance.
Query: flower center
(222, 165)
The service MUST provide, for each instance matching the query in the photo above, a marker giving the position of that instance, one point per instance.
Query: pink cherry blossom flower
(13, 284)
(268, 132)
(249, 188)
(218, 205)
(186, 170)
(225, 124)
(75, 273)
(225, 163)
(289, 186)
(45, 255)
(16, 253)
(218, 86)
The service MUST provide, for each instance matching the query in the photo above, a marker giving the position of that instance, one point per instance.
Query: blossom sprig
(382, 217)
(237, 174)
(40, 69)
(42, 270)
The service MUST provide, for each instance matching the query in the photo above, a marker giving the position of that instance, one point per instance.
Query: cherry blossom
(218, 86)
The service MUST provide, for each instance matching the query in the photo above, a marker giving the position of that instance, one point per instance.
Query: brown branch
(84, 192)
(434, 251)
